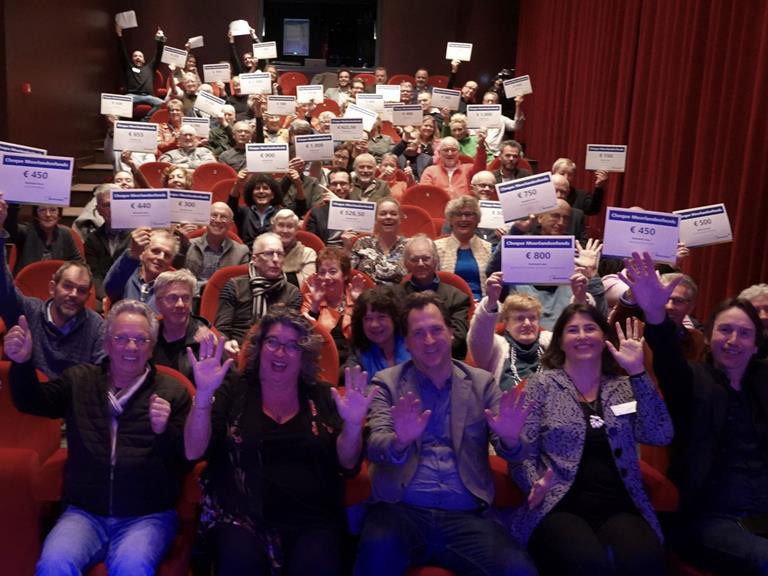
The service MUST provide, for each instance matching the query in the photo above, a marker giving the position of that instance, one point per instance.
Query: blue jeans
(724, 544)
(396, 536)
(153, 101)
(130, 546)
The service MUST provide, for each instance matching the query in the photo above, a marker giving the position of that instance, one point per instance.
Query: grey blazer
(472, 391)
(555, 433)
(234, 254)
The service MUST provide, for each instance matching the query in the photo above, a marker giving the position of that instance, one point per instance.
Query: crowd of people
(442, 363)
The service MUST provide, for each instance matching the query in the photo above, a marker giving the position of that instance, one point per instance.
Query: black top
(598, 491)
(266, 475)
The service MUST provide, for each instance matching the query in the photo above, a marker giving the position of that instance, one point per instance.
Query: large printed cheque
(537, 259)
(351, 215)
(189, 206)
(628, 231)
(704, 226)
(530, 195)
(266, 157)
(36, 179)
(135, 136)
(139, 208)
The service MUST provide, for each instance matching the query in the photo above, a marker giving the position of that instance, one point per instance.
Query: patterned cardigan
(555, 433)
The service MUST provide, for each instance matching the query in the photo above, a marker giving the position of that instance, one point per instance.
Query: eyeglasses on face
(141, 342)
(273, 344)
(270, 254)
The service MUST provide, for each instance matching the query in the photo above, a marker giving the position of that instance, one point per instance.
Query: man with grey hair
(245, 299)
(124, 423)
(133, 274)
(104, 245)
(235, 156)
(179, 328)
(421, 260)
(214, 249)
(188, 154)
(220, 137)
(450, 174)
(757, 294)
(365, 185)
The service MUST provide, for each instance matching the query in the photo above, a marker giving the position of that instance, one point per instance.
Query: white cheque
(189, 206)
(390, 92)
(135, 208)
(217, 72)
(308, 93)
(537, 259)
(209, 104)
(530, 195)
(36, 179)
(256, 83)
(374, 102)
(202, 126)
(704, 226)
(135, 136)
(343, 129)
(281, 105)
(266, 157)
(606, 157)
(265, 50)
(492, 215)
(628, 231)
(483, 115)
(311, 147)
(20, 149)
(519, 86)
(351, 215)
(117, 105)
(368, 116)
(446, 98)
(458, 51)
(407, 115)
(174, 56)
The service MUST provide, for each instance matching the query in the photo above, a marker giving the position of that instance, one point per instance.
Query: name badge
(626, 408)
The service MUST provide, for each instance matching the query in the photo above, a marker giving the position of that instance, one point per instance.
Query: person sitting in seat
(125, 461)
(133, 274)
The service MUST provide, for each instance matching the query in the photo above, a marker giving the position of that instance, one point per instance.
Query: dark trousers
(240, 552)
(396, 536)
(566, 544)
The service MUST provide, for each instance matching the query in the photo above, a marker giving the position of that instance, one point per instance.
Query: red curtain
(685, 85)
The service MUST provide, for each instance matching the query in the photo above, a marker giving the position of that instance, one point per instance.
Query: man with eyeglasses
(340, 185)
(126, 461)
(179, 328)
(421, 261)
(214, 249)
(245, 299)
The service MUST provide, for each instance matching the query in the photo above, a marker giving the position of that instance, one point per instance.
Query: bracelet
(203, 406)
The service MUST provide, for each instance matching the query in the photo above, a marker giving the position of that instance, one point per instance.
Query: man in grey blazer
(428, 431)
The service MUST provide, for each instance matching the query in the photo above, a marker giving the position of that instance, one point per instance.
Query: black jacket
(147, 475)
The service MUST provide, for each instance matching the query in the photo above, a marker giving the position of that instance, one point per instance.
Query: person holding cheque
(719, 407)
(587, 512)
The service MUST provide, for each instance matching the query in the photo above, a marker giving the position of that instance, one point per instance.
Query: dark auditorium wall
(58, 48)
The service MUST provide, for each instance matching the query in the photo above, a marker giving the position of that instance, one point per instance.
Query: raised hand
(540, 488)
(408, 420)
(601, 177)
(208, 370)
(511, 418)
(357, 285)
(159, 412)
(493, 285)
(316, 292)
(353, 405)
(588, 256)
(18, 342)
(647, 290)
(579, 286)
(139, 240)
(629, 354)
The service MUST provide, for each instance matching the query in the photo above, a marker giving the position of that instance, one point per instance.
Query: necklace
(595, 418)
(513, 358)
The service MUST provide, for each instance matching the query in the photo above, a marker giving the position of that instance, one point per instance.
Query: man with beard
(66, 333)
